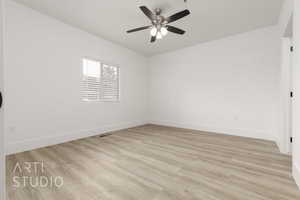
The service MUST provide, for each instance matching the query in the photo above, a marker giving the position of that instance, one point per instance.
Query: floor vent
(106, 134)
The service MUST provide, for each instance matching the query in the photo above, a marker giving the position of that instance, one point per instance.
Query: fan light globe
(153, 31)
(159, 35)
(164, 31)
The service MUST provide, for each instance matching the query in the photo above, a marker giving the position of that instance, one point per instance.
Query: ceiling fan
(160, 24)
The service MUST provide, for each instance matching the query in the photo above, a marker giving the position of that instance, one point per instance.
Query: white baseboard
(228, 131)
(296, 174)
(27, 145)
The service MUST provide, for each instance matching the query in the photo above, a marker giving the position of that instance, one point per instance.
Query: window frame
(101, 64)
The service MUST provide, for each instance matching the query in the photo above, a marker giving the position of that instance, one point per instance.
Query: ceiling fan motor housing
(157, 11)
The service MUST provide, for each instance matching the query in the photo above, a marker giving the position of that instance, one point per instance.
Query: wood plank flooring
(158, 163)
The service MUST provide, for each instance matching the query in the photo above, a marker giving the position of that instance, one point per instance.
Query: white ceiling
(209, 19)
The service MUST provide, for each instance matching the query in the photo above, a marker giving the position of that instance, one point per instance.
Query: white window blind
(109, 83)
(100, 81)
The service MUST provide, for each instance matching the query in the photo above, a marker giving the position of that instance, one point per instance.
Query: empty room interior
(150, 99)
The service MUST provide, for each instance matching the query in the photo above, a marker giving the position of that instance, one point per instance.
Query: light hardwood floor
(159, 163)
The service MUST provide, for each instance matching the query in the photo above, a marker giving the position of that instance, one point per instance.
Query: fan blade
(138, 29)
(153, 38)
(177, 16)
(148, 12)
(175, 30)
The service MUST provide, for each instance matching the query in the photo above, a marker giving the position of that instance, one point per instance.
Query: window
(90, 90)
(109, 83)
(100, 81)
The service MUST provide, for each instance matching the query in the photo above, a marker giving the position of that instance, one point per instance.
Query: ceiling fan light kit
(160, 24)
(158, 31)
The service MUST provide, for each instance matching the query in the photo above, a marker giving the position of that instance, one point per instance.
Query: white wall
(227, 86)
(42, 78)
(296, 100)
(2, 163)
